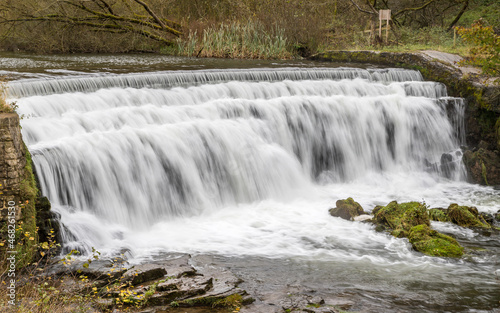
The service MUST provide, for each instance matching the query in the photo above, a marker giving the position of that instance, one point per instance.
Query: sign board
(384, 15)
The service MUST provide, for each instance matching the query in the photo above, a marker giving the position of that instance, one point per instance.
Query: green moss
(483, 173)
(401, 217)
(438, 215)
(466, 216)
(350, 206)
(27, 232)
(230, 301)
(430, 242)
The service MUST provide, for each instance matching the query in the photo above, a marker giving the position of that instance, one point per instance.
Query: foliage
(287, 27)
(236, 40)
(485, 51)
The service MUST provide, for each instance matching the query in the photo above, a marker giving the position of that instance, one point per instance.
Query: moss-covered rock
(466, 216)
(412, 220)
(347, 209)
(401, 217)
(483, 166)
(433, 243)
(438, 215)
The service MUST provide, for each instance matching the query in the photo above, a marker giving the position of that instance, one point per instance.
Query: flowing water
(242, 165)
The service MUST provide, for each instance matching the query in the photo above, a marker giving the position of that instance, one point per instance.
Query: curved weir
(247, 163)
(187, 78)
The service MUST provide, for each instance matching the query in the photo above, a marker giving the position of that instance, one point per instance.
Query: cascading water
(185, 150)
(246, 162)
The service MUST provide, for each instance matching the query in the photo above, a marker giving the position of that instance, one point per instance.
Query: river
(238, 161)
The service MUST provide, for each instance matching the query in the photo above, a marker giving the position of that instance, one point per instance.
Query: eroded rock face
(483, 166)
(347, 209)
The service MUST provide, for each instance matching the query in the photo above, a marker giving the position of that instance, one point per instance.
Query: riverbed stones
(347, 209)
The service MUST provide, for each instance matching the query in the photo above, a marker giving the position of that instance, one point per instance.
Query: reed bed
(235, 40)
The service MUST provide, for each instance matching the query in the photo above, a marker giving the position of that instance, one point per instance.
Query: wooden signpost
(384, 15)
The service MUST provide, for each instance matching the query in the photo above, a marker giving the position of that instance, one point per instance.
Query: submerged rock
(466, 216)
(347, 209)
(433, 243)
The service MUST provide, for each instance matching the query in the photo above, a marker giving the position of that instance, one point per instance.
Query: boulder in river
(399, 218)
(347, 209)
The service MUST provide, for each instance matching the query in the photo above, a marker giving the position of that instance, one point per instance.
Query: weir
(134, 150)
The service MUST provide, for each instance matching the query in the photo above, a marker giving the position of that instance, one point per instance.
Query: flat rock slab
(452, 59)
(144, 273)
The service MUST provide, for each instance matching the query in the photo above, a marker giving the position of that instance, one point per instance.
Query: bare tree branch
(414, 9)
(360, 9)
(103, 15)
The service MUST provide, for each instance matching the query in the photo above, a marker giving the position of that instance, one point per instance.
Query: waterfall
(138, 149)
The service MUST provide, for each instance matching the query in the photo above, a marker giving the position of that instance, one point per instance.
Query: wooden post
(380, 27)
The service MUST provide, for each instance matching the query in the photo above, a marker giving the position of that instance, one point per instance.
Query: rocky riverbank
(174, 283)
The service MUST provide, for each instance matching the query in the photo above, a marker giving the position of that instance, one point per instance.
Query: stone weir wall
(12, 163)
(481, 156)
(25, 217)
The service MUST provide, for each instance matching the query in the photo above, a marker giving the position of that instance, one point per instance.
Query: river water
(237, 162)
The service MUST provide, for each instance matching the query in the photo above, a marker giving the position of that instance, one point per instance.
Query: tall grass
(236, 40)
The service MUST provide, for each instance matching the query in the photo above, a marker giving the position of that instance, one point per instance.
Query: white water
(244, 167)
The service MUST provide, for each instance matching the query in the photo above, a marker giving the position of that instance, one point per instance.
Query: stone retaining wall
(12, 162)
